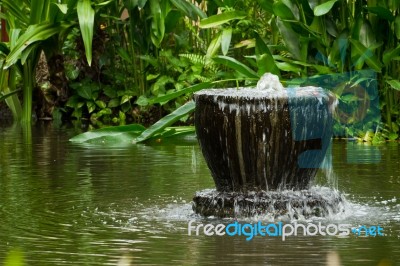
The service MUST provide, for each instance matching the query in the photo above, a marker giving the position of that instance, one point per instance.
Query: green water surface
(67, 204)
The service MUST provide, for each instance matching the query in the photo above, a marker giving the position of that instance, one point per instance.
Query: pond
(67, 204)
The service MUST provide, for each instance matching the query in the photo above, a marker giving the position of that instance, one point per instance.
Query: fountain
(264, 146)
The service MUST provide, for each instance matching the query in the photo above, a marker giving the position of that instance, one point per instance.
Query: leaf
(324, 8)
(282, 11)
(214, 46)
(86, 20)
(288, 67)
(393, 136)
(34, 33)
(101, 104)
(176, 94)
(397, 26)
(107, 131)
(104, 3)
(124, 55)
(88, 92)
(113, 103)
(226, 40)
(381, 12)
(63, 7)
(367, 54)
(265, 61)
(39, 10)
(4, 96)
(158, 10)
(14, 258)
(266, 5)
(365, 34)
(91, 106)
(236, 65)
(25, 54)
(394, 83)
(390, 54)
(166, 121)
(142, 101)
(290, 37)
(220, 19)
(189, 9)
(125, 98)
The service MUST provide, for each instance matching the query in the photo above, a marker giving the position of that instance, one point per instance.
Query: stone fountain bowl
(263, 140)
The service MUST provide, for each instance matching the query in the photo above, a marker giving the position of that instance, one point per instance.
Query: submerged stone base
(317, 201)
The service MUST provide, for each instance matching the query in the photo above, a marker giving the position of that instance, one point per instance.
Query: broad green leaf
(176, 94)
(159, 10)
(175, 135)
(63, 8)
(226, 40)
(113, 103)
(291, 38)
(125, 98)
(394, 83)
(214, 46)
(189, 9)
(220, 19)
(266, 5)
(142, 101)
(266, 64)
(91, 106)
(39, 10)
(236, 65)
(34, 33)
(381, 12)
(288, 67)
(166, 121)
(25, 53)
(324, 8)
(123, 138)
(105, 3)
(14, 10)
(86, 20)
(390, 54)
(107, 131)
(4, 96)
(282, 11)
(88, 92)
(101, 104)
(265, 61)
(393, 136)
(14, 257)
(367, 55)
(363, 32)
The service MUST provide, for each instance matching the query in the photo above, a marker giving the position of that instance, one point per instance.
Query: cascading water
(264, 146)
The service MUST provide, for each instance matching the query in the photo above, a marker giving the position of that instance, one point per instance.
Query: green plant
(36, 26)
(342, 36)
(98, 102)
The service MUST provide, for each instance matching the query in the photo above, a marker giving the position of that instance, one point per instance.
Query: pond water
(68, 204)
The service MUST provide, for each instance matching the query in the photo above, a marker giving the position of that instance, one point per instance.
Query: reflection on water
(68, 204)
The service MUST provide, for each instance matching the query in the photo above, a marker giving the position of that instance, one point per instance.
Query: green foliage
(14, 258)
(103, 103)
(32, 25)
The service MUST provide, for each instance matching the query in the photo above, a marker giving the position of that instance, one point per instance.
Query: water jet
(264, 146)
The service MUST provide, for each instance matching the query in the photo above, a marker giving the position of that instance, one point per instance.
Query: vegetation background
(134, 61)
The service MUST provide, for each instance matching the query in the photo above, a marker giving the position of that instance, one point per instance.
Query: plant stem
(27, 92)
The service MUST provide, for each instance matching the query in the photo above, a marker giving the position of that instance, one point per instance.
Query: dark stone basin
(267, 140)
